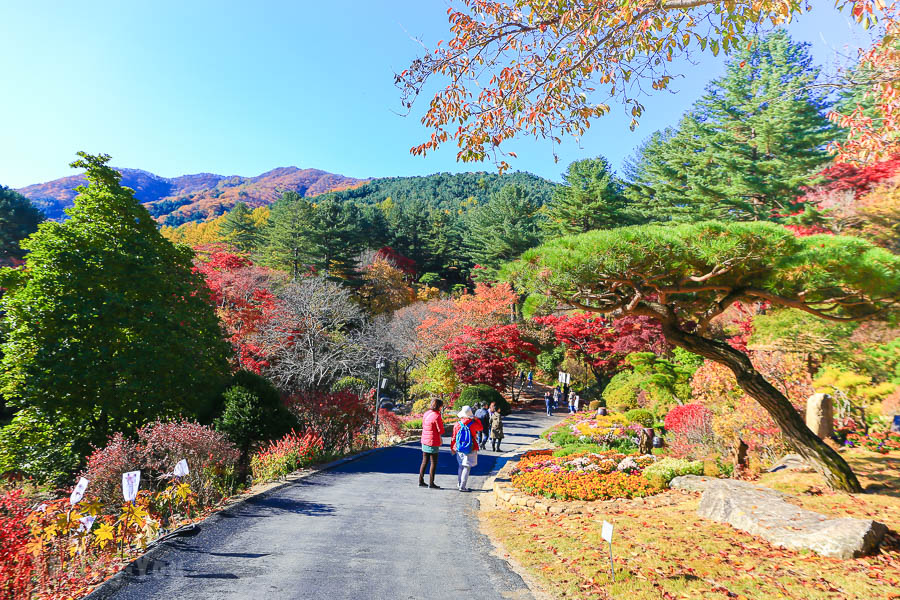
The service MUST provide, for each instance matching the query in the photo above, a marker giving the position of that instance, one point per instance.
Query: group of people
(562, 396)
(470, 433)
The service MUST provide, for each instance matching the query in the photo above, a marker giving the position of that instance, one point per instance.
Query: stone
(820, 415)
(765, 513)
(790, 462)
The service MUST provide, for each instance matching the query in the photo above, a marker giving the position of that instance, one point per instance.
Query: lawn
(662, 549)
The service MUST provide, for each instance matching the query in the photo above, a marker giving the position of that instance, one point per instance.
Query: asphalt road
(363, 530)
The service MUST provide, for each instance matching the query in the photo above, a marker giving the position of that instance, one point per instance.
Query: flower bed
(881, 442)
(591, 476)
(610, 431)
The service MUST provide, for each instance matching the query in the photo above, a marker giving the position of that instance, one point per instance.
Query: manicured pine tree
(239, 228)
(748, 145)
(109, 327)
(590, 198)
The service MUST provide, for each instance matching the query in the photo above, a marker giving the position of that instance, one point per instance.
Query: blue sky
(241, 88)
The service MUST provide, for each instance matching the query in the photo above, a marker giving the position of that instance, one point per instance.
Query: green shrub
(354, 384)
(667, 469)
(247, 418)
(39, 447)
(413, 424)
(421, 405)
(563, 437)
(640, 415)
(484, 395)
(580, 448)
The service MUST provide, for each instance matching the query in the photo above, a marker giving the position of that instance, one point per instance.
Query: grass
(662, 549)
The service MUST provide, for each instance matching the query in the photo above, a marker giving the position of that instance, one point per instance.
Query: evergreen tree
(337, 237)
(109, 327)
(503, 228)
(590, 198)
(19, 218)
(288, 241)
(239, 228)
(748, 145)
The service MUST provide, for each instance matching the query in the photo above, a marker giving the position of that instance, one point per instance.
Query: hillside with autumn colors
(177, 200)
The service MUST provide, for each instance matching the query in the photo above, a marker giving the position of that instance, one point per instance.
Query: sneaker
(423, 484)
(465, 490)
(434, 487)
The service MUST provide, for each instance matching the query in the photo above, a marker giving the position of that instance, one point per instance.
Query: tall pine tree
(239, 228)
(503, 228)
(748, 145)
(591, 197)
(288, 238)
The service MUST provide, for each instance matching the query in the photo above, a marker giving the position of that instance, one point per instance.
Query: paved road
(363, 530)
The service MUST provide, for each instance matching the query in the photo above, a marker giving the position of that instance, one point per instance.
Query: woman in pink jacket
(432, 431)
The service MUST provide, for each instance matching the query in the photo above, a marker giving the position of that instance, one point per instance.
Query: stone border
(117, 580)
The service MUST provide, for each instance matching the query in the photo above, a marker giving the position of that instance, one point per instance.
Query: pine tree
(109, 327)
(590, 198)
(337, 238)
(19, 218)
(503, 228)
(239, 228)
(288, 241)
(748, 145)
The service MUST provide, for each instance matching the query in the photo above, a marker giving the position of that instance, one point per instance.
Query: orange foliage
(489, 305)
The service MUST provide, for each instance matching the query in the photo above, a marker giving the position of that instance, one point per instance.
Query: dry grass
(663, 550)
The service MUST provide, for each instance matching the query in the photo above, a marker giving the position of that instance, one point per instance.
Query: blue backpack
(463, 439)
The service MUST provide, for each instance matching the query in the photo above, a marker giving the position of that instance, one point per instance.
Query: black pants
(495, 444)
(428, 458)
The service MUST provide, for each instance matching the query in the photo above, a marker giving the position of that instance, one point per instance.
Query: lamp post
(379, 365)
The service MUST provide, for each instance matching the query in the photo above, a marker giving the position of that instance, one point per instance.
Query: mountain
(177, 200)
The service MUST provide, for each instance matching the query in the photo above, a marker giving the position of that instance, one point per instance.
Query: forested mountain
(177, 200)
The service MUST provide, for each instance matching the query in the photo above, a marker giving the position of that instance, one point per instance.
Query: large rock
(764, 512)
(820, 415)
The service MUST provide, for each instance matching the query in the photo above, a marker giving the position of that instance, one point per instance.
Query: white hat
(466, 412)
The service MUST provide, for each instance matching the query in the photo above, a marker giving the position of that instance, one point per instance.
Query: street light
(379, 365)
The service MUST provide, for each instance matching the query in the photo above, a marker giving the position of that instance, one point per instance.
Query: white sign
(86, 523)
(78, 492)
(181, 469)
(606, 531)
(568, 378)
(561, 377)
(383, 383)
(130, 483)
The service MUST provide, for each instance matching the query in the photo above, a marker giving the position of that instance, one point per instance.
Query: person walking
(530, 380)
(576, 401)
(496, 427)
(571, 403)
(549, 402)
(557, 393)
(464, 446)
(432, 431)
(484, 416)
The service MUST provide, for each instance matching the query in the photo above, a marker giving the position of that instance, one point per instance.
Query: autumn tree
(548, 70)
(491, 355)
(686, 275)
(109, 326)
(384, 287)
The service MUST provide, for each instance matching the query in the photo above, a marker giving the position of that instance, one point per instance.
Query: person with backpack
(496, 427)
(530, 380)
(465, 446)
(482, 415)
(432, 431)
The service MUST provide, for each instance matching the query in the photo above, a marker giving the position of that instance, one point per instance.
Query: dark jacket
(484, 416)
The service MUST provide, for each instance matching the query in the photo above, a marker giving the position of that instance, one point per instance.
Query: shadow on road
(273, 506)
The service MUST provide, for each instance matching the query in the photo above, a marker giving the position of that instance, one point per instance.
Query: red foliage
(159, 446)
(445, 319)
(407, 265)
(16, 564)
(244, 303)
(335, 417)
(604, 343)
(688, 418)
(859, 180)
(390, 423)
(489, 355)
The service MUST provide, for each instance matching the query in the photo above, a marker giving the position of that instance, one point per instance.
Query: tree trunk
(822, 457)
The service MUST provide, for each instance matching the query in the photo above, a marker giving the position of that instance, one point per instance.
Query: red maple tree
(490, 355)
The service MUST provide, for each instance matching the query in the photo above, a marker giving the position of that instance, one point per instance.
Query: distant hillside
(445, 190)
(177, 200)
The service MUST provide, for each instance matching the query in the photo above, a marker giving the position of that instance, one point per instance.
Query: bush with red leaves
(16, 564)
(336, 417)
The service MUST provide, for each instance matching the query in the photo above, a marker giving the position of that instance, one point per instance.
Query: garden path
(363, 530)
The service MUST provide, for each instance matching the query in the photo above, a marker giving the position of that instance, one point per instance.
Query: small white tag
(181, 469)
(86, 523)
(78, 492)
(606, 531)
(130, 483)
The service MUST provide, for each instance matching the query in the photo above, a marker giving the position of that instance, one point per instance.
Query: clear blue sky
(240, 88)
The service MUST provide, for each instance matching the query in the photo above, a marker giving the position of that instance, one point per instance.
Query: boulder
(765, 513)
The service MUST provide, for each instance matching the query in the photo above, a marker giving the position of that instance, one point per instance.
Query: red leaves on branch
(407, 265)
(16, 564)
(489, 355)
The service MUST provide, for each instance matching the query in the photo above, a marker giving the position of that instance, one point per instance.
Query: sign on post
(383, 383)
(131, 481)
(606, 533)
(78, 492)
(181, 469)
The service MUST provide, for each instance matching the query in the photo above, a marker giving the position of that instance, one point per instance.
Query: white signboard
(606, 531)
(86, 523)
(181, 469)
(561, 377)
(568, 378)
(383, 383)
(130, 483)
(78, 492)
